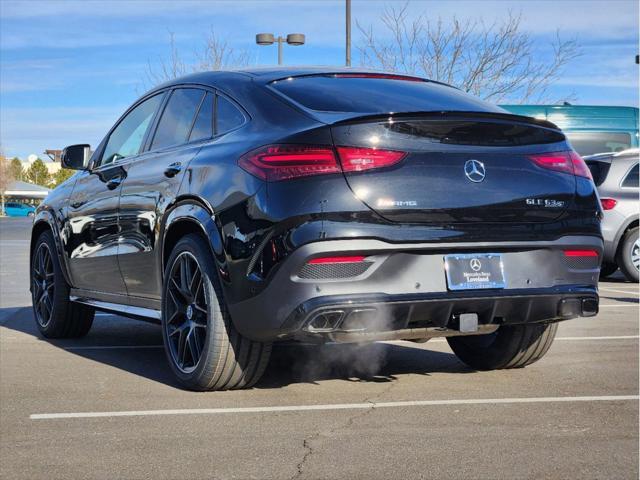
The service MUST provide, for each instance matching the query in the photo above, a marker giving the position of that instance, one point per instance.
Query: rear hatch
(457, 167)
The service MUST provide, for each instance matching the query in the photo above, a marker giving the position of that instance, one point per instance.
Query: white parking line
(634, 292)
(610, 337)
(109, 347)
(337, 406)
(617, 337)
(633, 305)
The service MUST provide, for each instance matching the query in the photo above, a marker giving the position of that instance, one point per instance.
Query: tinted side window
(632, 178)
(126, 139)
(177, 117)
(228, 116)
(203, 126)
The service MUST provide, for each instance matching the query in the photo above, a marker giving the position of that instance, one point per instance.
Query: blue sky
(69, 68)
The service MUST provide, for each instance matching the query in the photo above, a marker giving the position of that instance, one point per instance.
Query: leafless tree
(214, 54)
(498, 61)
(6, 178)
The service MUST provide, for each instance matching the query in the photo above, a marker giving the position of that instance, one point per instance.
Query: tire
(202, 346)
(628, 253)
(514, 346)
(56, 316)
(607, 269)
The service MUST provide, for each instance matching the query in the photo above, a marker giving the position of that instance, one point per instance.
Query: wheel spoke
(194, 347)
(180, 291)
(41, 261)
(174, 316)
(46, 303)
(194, 285)
(185, 273)
(181, 348)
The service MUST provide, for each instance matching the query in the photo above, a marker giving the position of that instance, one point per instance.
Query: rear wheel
(629, 255)
(56, 316)
(607, 269)
(203, 348)
(513, 346)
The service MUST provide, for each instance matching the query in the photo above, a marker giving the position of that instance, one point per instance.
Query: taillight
(581, 253)
(565, 162)
(354, 159)
(608, 203)
(281, 162)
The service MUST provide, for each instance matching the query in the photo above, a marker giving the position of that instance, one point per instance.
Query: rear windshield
(376, 94)
(589, 143)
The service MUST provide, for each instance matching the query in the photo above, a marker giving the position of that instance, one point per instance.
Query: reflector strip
(352, 259)
(581, 253)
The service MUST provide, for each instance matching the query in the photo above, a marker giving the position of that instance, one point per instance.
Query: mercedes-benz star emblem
(474, 170)
(475, 264)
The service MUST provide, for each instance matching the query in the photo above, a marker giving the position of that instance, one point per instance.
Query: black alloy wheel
(55, 314)
(186, 325)
(43, 284)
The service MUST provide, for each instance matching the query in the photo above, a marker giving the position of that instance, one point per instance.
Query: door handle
(114, 182)
(173, 169)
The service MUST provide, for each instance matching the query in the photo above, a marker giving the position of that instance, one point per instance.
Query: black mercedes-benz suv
(238, 209)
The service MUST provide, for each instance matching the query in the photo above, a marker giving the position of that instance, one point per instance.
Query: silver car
(616, 176)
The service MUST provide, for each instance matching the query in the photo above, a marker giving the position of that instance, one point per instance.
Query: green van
(590, 129)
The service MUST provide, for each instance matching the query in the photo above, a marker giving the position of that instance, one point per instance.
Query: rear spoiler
(451, 114)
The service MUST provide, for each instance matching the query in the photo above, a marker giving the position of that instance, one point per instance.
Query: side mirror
(76, 157)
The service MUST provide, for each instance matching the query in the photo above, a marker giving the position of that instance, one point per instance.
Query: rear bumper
(404, 291)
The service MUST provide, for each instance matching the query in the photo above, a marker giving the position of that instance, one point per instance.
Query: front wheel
(203, 347)
(56, 316)
(512, 346)
(629, 255)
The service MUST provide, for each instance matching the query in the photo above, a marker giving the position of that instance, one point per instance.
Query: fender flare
(41, 218)
(199, 214)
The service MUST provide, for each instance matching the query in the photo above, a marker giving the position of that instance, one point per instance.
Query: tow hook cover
(468, 322)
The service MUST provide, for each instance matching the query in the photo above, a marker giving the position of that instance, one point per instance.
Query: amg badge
(545, 202)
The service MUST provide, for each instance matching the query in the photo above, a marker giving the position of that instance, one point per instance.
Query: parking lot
(107, 406)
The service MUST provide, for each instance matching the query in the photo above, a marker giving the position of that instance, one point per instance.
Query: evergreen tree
(16, 168)
(38, 174)
(62, 175)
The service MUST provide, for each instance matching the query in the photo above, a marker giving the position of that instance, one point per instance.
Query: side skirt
(132, 307)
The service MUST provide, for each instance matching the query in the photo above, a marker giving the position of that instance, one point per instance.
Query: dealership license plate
(474, 271)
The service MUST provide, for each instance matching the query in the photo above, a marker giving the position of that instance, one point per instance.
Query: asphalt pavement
(106, 406)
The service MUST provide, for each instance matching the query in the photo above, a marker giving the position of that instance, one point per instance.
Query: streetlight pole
(294, 39)
(348, 32)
